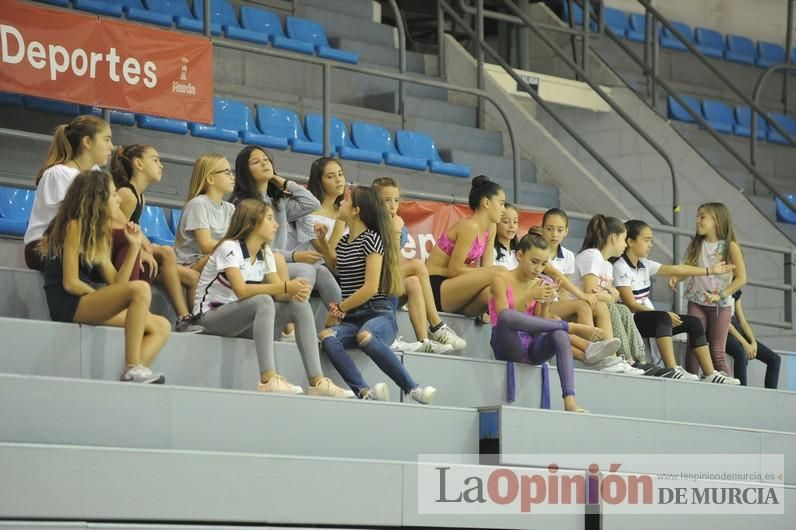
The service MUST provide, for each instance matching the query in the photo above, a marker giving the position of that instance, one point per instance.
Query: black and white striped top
(351, 258)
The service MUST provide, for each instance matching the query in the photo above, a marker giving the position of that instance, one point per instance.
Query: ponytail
(598, 231)
(67, 139)
(122, 162)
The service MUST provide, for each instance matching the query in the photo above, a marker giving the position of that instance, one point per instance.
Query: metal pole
(574, 38)
(479, 35)
(206, 13)
(788, 45)
(399, 22)
(647, 50)
(441, 39)
(327, 109)
(584, 44)
(788, 263)
(655, 57)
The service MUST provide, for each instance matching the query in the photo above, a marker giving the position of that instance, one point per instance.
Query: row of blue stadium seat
(16, 204)
(728, 120)
(711, 43)
(255, 25)
(278, 128)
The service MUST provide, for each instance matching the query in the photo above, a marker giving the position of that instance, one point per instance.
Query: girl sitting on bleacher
(135, 168)
(743, 347)
(457, 283)
(505, 251)
(76, 242)
(632, 277)
(83, 144)
(366, 262)
(205, 216)
(433, 335)
(242, 293)
(521, 329)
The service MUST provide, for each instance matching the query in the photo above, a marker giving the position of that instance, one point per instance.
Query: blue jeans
(378, 319)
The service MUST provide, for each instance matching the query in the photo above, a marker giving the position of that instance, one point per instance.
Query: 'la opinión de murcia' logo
(183, 86)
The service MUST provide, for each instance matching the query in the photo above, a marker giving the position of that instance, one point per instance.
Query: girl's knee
(139, 290)
(325, 334)
(363, 337)
(560, 336)
(263, 301)
(412, 285)
(167, 255)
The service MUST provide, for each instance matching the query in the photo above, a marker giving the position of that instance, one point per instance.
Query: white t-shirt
(591, 261)
(50, 192)
(303, 231)
(637, 278)
(214, 288)
(564, 261)
(201, 213)
(508, 259)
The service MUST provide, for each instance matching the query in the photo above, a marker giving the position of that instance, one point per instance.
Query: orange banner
(426, 220)
(83, 59)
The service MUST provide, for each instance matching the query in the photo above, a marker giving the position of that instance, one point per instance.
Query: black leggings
(659, 324)
(764, 354)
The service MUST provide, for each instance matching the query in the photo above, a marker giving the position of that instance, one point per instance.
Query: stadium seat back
(153, 223)
(260, 20)
(338, 134)
(176, 8)
(415, 144)
(679, 113)
(306, 30)
(16, 203)
(372, 137)
(221, 12)
(281, 123)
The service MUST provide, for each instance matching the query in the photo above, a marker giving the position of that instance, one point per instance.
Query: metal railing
(756, 97)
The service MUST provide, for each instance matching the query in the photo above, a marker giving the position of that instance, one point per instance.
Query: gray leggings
(256, 317)
(320, 277)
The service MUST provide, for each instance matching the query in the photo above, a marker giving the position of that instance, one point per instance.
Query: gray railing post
(788, 280)
(479, 54)
(327, 109)
(207, 22)
(399, 22)
(584, 43)
(656, 49)
(441, 40)
(788, 51)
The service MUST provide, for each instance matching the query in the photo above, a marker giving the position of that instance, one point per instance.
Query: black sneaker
(648, 368)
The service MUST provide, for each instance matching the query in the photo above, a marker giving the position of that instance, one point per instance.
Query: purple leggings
(550, 338)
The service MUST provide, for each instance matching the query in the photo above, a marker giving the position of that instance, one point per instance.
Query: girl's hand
(676, 320)
(714, 298)
(307, 256)
(673, 281)
(298, 289)
(149, 259)
(751, 350)
(132, 232)
(722, 268)
(321, 231)
(591, 299)
(542, 291)
(397, 223)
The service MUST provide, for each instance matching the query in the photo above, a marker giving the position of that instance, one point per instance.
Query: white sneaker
(279, 385)
(141, 374)
(399, 345)
(431, 346)
(683, 375)
(325, 387)
(606, 362)
(630, 369)
(719, 378)
(423, 394)
(613, 368)
(445, 335)
(597, 351)
(381, 392)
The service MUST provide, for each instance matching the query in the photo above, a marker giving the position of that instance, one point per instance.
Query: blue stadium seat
(743, 123)
(15, 206)
(233, 120)
(224, 14)
(616, 20)
(769, 54)
(267, 23)
(178, 9)
(162, 124)
(739, 50)
(679, 113)
(10, 100)
(787, 123)
(419, 145)
(709, 42)
(153, 223)
(339, 138)
(668, 40)
(51, 105)
(577, 16)
(62, 3)
(285, 126)
(111, 8)
(785, 214)
(636, 30)
(719, 115)
(376, 138)
(312, 32)
(134, 10)
(174, 219)
(117, 116)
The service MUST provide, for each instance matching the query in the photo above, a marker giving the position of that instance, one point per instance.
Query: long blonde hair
(248, 214)
(204, 166)
(86, 202)
(67, 140)
(724, 230)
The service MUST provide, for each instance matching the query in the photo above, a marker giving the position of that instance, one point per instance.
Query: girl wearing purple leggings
(520, 334)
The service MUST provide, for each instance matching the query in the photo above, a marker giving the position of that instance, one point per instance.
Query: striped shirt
(351, 257)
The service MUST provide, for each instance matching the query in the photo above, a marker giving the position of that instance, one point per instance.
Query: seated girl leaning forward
(519, 334)
(242, 294)
(366, 261)
(458, 285)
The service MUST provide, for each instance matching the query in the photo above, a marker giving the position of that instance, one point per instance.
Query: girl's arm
(591, 283)
(745, 327)
(300, 202)
(71, 262)
(739, 280)
(273, 288)
(567, 285)
(738, 336)
(465, 235)
(488, 259)
(626, 294)
(322, 245)
(690, 270)
(204, 240)
(368, 289)
(498, 288)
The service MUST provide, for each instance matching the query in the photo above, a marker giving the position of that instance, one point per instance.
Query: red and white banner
(83, 59)
(426, 220)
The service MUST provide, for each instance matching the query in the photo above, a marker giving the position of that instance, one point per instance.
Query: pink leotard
(476, 250)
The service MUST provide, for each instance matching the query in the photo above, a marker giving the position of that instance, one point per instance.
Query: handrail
(532, 26)
(399, 23)
(330, 65)
(755, 96)
(452, 199)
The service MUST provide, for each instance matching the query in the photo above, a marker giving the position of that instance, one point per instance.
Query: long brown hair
(249, 213)
(373, 214)
(122, 162)
(724, 230)
(599, 229)
(86, 202)
(67, 140)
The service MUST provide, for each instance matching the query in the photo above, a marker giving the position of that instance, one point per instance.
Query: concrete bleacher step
(60, 411)
(380, 56)
(451, 136)
(342, 23)
(430, 109)
(493, 165)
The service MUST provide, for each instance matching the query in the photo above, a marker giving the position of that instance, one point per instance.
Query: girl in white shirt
(505, 251)
(242, 294)
(82, 144)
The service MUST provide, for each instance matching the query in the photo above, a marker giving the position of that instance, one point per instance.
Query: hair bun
(480, 180)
